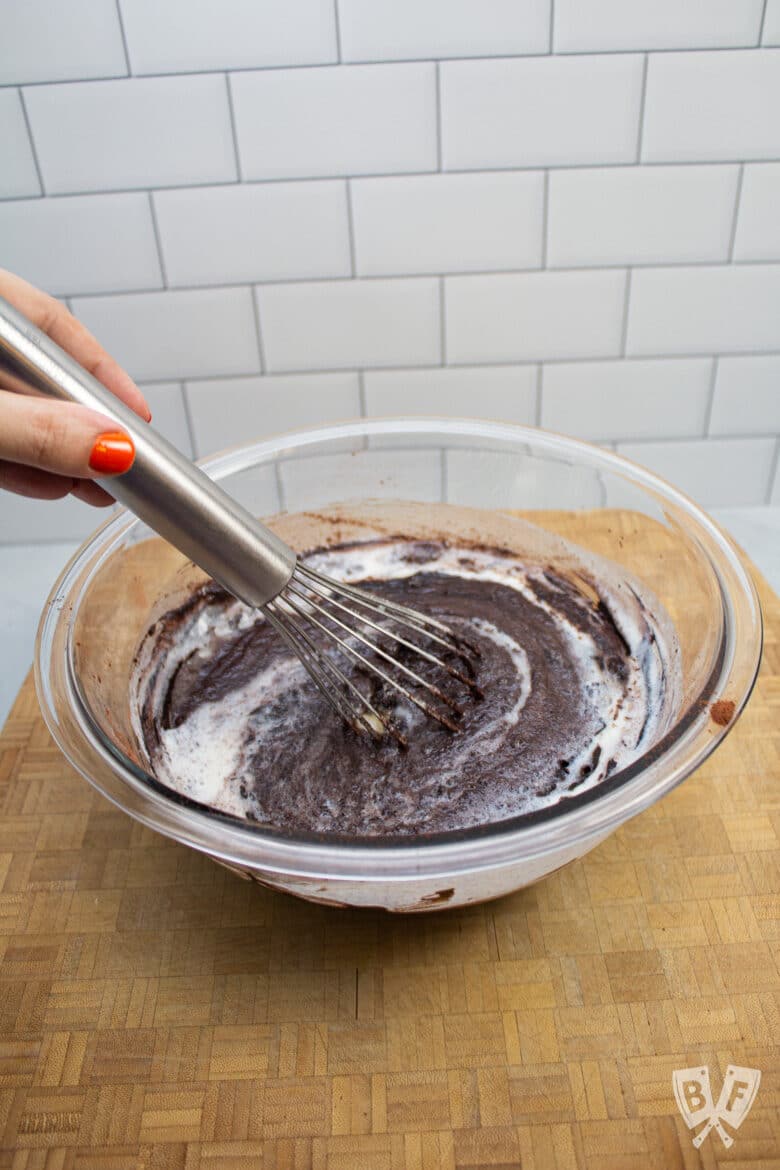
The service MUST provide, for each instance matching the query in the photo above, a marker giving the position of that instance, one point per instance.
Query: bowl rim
(582, 819)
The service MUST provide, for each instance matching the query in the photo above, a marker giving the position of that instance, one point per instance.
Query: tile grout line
(514, 169)
(233, 129)
(337, 25)
(551, 49)
(538, 396)
(518, 363)
(706, 440)
(774, 471)
(258, 329)
(31, 140)
(189, 419)
(626, 310)
(642, 102)
(86, 80)
(291, 66)
(761, 27)
(439, 149)
(157, 240)
(442, 322)
(545, 218)
(123, 35)
(362, 393)
(711, 396)
(735, 220)
(681, 436)
(389, 277)
(643, 440)
(351, 229)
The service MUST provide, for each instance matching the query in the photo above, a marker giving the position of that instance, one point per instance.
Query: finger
(63, 328)
(92, 493)
(61, 437)
(45, 485)
(32, 482)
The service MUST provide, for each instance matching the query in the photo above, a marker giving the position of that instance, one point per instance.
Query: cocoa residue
(722, 711)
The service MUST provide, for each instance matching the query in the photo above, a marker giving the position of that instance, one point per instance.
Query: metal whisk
(311, 597)
(321, 619)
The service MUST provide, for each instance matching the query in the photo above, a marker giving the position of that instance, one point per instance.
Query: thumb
(62, 437)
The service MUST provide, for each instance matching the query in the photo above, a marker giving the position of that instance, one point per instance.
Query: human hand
(49, 449)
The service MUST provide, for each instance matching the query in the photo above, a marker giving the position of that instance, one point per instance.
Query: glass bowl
(100, 608)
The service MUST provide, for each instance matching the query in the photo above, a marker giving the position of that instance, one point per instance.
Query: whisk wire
(354, 622)
(367, 601)
(373, 668)
(435, 630)
(326, 675)
(397, 638)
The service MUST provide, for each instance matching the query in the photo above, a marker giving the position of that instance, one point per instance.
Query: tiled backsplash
(282, 212)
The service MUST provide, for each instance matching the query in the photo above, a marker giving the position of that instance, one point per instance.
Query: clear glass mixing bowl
(99, 610)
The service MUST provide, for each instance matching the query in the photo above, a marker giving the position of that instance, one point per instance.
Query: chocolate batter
(576, 682)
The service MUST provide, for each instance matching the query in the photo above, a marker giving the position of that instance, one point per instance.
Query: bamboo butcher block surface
(156, 1011)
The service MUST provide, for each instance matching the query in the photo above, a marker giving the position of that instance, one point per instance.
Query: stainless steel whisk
(312, 597)
(321, 619)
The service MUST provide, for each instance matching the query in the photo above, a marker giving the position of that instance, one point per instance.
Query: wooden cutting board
(158, 1012)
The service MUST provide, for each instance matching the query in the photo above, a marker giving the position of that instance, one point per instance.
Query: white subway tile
(584, 26)
(772, 23)
(448, 223)
(174, 335)
(533, 316)
(17, 174)
(758, 225)
(757, 532)
(182, 35)
(357, 119)
(517, 480)
(350, 323)
(540, 111)
(506, 392)
(727, 309)
(169, 415)
(82, 243)
(23, 519)
(640, 215)
(246, 233)
(372, 30)
(103, 135)
(715, 472)
(627, 399)
(57, 42)
(774, 497)
(747, 396)
(320, 480)
(226, 412)
(257, 490)
(710, 106)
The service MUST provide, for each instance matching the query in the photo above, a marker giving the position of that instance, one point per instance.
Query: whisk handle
(163, 488)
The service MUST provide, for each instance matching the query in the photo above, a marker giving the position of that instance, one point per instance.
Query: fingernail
(112, 453)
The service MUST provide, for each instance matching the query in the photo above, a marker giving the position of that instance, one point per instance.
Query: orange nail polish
(112, 453)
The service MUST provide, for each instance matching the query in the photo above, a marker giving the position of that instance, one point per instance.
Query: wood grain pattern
(156, 1012)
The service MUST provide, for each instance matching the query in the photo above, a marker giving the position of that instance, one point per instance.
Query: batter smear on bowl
(577, 668)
